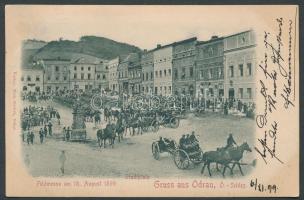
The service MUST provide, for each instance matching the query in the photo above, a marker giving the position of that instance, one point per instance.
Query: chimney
(158, 46)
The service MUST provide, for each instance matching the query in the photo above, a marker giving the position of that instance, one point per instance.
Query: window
(57, 88)
(89, 76)
(75, 68)
(156, 74)
(202, 74)
(75, 76)
(169, 70)
(183, 73)
(89, 68)
(82, 76)
(57, 78)
(37, 78)
(241, 70)
(81, 68)
(65, 78)
(147, 76)
(103, 77)
(191, 72)
(56, 68)
(169, 89)
(143, 77)
(28, 78)
(98, 76)
(241, 93)
(175, 74)
(249, 95)
(49, 78)
(231, 72)
(165, 88)
(249, 69)
(151, 75)
(165, 72)
(160, 74)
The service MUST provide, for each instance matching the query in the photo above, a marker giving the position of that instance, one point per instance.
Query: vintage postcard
(150, 101)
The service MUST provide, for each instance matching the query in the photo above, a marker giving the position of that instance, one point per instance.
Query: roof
(210, 41)
(86, 60)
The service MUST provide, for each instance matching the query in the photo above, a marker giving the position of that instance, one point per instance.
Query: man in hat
(230, 141)
(41, 135)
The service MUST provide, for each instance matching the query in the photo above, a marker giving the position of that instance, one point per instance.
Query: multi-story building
(32, 79)
(113, 74)
(147, 72)
(101, 75)
(82, 73)
(210, 68)
(56, 74)
(123, 80)
(135, 72)
(183, 67)
(240, 65)
(162, 60)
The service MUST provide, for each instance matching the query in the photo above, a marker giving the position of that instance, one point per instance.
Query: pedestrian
(50, 128)
(41, 134)
(28, 137)
(32, 137)
(45, 131)
(62, 159)
(68, 134)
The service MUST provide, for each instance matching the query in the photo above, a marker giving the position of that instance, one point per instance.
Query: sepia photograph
(163, 98)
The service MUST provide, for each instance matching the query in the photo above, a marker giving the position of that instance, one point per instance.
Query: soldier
(230, 141)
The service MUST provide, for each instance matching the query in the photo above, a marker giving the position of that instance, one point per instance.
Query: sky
(142, 26)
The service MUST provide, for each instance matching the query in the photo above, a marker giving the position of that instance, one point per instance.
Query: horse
(225, 157)
(107, 133)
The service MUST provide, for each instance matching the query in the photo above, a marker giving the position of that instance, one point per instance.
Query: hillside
(88, 45)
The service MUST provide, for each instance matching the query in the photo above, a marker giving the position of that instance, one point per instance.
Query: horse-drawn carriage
(187, 154)
(165, 119)
(161, 146)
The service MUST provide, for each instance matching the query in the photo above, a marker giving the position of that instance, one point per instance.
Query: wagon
(188, 154)
(157, 149)
(171, 122)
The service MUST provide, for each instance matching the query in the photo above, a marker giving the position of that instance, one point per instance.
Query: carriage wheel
(181, 159)
(155, 150)
(174, 122)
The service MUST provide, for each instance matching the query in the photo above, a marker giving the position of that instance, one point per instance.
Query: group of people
(188, 139)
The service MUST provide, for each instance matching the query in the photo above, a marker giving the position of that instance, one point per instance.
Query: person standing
(68, 134)
(41, 135)
(50, 128)
(28, 137)
(32, 137)
(45, 131)
(62, 159)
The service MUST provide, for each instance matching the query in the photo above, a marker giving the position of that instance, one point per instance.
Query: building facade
(135, 73)
(162, 60)
(102, 76)
(183, 66)
(82, 74)
(113, 74)
(147, 72)
(32, 79)
(210, 68)
(123, 76)
(240, 66)
(56, 74)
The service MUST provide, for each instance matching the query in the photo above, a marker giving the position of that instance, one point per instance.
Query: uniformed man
(230, 141)
(192, 137)
(182, 140)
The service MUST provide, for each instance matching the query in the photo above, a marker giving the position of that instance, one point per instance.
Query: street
(133, 156)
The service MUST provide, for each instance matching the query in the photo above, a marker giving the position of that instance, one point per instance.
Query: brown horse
(225, 157)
